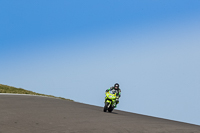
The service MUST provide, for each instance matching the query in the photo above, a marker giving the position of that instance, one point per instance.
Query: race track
(34, 114)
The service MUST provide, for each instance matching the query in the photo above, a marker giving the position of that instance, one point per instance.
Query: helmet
(116, 85)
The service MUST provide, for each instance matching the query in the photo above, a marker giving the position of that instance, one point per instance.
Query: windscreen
(113, 91)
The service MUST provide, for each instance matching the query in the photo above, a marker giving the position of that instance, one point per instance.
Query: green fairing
(111, 99)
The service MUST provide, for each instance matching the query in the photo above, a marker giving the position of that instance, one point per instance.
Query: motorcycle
(110, 100)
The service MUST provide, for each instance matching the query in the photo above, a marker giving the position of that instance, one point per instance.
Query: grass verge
(10, 89)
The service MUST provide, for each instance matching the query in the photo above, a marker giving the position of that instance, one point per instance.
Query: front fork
(108, 101)
(113, 103)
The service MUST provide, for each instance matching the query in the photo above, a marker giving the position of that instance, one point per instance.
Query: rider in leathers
(116, 87)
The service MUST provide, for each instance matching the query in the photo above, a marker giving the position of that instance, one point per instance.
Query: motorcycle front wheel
(105, 107)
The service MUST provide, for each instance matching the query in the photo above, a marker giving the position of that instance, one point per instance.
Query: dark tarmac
(34, 114)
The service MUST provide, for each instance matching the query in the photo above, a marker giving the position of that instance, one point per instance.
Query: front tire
(105, 107)
(110, 109)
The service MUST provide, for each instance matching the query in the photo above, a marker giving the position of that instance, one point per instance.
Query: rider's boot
(116, 104)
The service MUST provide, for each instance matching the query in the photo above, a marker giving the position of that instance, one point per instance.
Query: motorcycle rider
(116, 87)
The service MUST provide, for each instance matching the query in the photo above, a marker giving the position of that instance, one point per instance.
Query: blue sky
(150, 47)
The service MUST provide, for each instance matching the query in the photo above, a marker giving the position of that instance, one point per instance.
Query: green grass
(10, 89)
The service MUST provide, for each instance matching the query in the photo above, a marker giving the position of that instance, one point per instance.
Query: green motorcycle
(110, 100)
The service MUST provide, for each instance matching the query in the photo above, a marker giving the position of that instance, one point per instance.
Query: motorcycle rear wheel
(110, 109)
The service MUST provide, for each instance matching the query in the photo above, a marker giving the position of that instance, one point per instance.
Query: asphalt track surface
(34, 114)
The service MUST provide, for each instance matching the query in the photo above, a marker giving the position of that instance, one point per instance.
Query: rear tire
(110, 109)
(105, 107)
